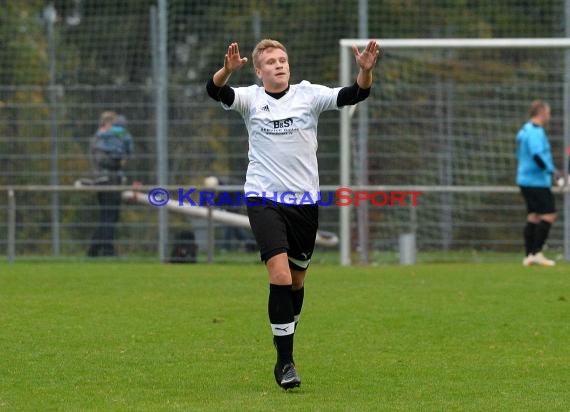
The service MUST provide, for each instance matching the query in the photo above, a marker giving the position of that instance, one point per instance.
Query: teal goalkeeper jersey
(532, 140)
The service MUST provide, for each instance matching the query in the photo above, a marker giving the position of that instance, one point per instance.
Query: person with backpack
(110, 148)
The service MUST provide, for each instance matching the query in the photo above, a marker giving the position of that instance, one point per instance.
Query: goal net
(443, 115)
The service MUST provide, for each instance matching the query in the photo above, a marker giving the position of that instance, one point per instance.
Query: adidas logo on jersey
(264, 108)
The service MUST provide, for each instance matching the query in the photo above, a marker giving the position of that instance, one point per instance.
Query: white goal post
(346, 76)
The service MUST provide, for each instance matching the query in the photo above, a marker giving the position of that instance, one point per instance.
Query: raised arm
(361, 89)
(366, 61)
(232, 62)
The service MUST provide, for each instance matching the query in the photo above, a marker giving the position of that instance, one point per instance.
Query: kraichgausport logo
(340, 197)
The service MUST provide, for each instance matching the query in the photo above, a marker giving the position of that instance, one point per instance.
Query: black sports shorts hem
(268, 255)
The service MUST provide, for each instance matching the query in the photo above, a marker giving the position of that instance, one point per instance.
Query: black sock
(280, 309)
(541, 235)
(297, 298)
(529, 234)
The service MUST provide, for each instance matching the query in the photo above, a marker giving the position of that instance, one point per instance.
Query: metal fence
(26, 231)
(149, 60)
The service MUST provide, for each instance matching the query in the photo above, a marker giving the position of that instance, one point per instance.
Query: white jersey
(283, 139)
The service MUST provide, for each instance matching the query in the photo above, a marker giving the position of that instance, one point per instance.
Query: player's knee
(550, 217)
(280, 277)
(533, 218)
(298, 280)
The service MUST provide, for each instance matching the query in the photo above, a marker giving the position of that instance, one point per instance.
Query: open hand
(369, 56)
(232, 60)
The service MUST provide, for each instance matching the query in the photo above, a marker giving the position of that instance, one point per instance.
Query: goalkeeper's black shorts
(538, 200)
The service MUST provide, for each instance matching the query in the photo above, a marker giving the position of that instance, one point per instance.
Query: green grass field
(149, 337)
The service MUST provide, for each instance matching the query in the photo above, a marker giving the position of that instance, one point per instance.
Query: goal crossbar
(463, 43)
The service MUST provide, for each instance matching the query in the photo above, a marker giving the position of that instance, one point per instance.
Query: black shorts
(538, 200)
(282, 228)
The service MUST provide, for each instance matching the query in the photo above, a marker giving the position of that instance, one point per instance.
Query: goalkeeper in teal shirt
(534, 177)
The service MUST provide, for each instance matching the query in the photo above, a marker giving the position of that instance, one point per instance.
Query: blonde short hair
(536, 107)
(264, 45)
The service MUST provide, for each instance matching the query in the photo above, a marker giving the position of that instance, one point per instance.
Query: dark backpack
(185, 248)
(109, 148)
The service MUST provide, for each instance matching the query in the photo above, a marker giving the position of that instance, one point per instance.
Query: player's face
(273, 70)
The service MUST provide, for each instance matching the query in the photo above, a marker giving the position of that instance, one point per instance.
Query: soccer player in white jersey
(281, 120)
